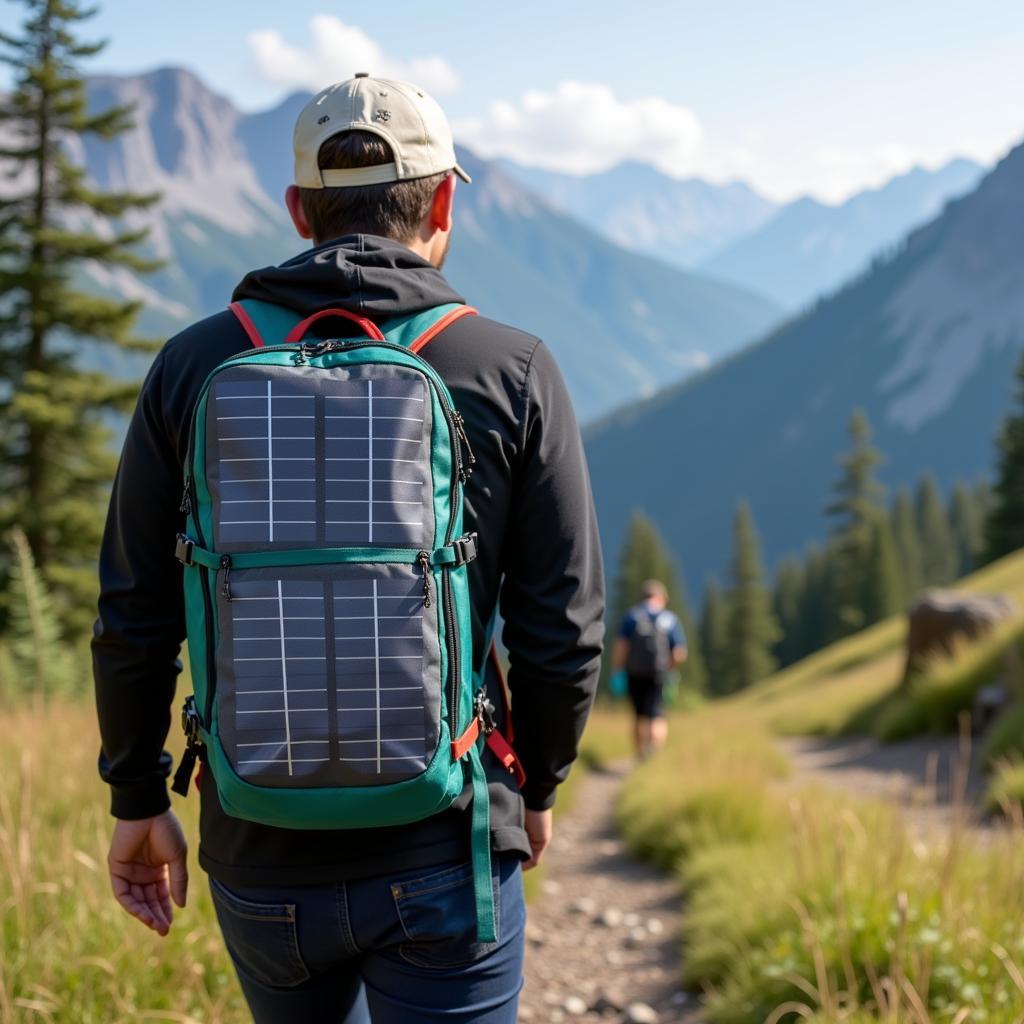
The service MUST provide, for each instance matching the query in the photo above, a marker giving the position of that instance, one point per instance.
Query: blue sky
(794, 97)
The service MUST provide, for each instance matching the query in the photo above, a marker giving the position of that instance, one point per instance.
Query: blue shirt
(666, 621)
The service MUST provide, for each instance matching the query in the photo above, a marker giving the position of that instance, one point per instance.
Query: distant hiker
(650, 644)
(335, 506)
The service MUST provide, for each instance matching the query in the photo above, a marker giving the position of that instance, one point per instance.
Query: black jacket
(528, 498)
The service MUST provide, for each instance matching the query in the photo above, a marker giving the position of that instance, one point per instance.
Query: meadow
(805, 904)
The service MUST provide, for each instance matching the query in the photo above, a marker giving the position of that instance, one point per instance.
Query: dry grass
(811, 907)
(70, 954)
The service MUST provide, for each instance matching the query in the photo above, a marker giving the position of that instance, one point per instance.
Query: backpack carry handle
(298, 332)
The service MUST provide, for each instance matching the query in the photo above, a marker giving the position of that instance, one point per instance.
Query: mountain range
(809, 249)
(683, 222)
(925, 343)
(791, 253)
(621, 324)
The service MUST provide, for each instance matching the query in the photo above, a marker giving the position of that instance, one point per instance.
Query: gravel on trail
(602, 939)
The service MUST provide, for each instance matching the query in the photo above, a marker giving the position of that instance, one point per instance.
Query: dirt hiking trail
(602, 942)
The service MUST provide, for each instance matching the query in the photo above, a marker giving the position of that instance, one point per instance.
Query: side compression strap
(480, 848)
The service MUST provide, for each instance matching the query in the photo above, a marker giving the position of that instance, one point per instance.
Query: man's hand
(539, 827)
(147, 863)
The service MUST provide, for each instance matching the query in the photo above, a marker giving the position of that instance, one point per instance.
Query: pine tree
(883, 590)
(938, 553)
(856, 505)
(55, 462)
(814, 610)
(752, 628)
(714, 626)
(788, 604)
(908, 543)
(644, 556)
(967, 521)
(1004, 527)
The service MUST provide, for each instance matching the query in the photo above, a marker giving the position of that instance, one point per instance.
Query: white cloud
(584, 127)
(337, 52)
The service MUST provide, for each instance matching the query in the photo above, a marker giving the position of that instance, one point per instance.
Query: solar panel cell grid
(320, 460)
(325, 678)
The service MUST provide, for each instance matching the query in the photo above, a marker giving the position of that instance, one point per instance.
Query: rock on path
(602, 942)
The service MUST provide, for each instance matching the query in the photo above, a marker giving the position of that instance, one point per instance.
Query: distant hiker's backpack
(649, 648)
(326, 588)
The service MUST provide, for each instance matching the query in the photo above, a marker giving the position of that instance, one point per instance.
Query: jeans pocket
(261, 938)
(438, 916)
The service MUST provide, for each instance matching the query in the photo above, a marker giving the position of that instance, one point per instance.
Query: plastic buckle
(484, 711)
(465, 549)
(190, 722)
(183, 549)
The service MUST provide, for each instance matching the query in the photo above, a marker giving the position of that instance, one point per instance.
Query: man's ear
(293, 200)
(441, 207)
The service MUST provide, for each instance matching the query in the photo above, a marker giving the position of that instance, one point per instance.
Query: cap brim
(462, 174)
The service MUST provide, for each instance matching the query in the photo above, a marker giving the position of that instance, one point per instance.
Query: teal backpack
(326, 588)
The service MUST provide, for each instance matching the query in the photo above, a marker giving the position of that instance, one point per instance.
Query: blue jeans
(399, 949)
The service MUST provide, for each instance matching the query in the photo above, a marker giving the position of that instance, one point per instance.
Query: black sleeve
(552, 598)
(141, 621)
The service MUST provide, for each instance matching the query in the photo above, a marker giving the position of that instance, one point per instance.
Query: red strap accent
(502, 750)
(466, 740)
(368, 326)
(446, 321)
(247, 325)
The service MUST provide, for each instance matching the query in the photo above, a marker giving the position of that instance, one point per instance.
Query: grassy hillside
(854, 686)
(807, 905)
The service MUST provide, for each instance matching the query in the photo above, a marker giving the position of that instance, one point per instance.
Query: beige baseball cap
(399, 112)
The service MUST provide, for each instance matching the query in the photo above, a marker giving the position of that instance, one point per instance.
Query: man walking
(650, 644)
(363, 924)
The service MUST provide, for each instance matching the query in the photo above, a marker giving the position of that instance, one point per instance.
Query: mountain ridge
(925, 342)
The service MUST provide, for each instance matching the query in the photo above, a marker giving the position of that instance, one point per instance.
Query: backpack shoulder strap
(265, 323)
(417, 329)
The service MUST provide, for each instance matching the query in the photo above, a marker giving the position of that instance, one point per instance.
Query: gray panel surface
(299, 457)
(328, 675)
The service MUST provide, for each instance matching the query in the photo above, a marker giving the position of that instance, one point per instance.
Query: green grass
(1005, 738)
(798, 897)
(856, 686)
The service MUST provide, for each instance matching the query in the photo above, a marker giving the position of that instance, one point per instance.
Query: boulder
(941, 619)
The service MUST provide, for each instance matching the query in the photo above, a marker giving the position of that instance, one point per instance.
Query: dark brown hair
(395, 209)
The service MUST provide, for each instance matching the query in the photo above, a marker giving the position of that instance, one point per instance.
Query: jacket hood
(360, 273)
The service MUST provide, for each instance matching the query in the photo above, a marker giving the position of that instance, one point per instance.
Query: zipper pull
(424, 560)
(225, 587)
(186, 501)
(466, 468)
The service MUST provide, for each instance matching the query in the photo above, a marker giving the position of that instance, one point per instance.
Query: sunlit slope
(835, 689)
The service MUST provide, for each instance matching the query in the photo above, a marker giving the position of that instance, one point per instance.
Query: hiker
(650, 644)
(334, 923)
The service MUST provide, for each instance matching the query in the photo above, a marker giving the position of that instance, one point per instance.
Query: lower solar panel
(328, 675)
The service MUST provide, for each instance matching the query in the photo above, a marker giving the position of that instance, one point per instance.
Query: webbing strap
(480, 848)
(461, 551)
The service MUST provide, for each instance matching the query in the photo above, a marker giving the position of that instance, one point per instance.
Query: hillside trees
(55, 460)
(752, 629)
(1004, 528)
(861, 545)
